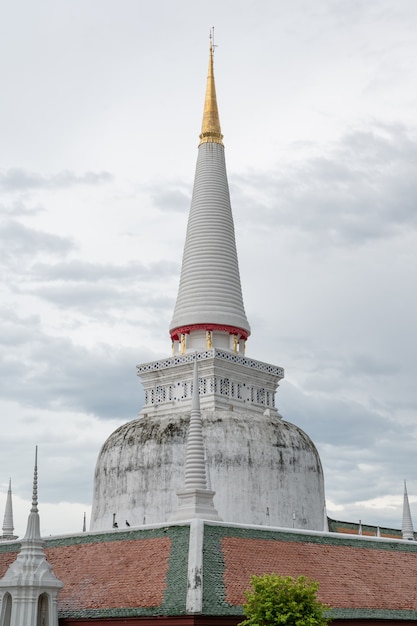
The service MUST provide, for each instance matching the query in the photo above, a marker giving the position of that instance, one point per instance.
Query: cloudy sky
(99, 119)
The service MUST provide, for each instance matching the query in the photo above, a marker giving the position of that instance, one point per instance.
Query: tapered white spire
(33, 532)
(325, 519)
(196, 501)
(209, 307)
(407, 530)
(195, 463)
(29, 589)
(8, 529)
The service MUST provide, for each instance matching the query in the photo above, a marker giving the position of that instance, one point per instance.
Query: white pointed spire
(325, 519)
(196, 501)
(209, 302)
(8, 528)
(195, 463)
(29, 589)
(407, 529)
(33, 532)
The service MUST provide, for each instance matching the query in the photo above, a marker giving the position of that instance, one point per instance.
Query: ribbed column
(195, 466)
(196, 501)
(210, 289)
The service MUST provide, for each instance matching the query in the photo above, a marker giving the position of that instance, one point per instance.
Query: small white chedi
(29, 588)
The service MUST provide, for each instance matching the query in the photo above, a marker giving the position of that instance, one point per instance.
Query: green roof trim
(214, 592)
(353, 541)
(116, 535)
(386, 614)
(105, 613)
(334, 525)
(10, 547)
(177, 577)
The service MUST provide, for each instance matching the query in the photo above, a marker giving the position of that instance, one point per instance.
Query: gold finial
(210, 129)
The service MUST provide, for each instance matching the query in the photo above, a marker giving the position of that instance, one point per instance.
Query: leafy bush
(283, 600)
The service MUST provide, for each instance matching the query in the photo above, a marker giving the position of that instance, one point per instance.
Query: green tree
(283, 600)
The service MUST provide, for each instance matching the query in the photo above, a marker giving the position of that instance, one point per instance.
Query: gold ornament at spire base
(210, 128)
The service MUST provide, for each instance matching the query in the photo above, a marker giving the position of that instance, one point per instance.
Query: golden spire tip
(210, 129)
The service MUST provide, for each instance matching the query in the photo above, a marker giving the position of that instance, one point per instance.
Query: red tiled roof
(140, 573)
(350, 576)
(6, 559)
(110, 574)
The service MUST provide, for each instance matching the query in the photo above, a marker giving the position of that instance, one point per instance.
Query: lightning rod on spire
(212, 44)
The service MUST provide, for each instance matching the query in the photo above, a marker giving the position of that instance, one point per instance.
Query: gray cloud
(168, 197)
(20, 241)
(90, 288)
(362, 450)
(18, 179)
(57, 374)
(364, 188)
(331, 419)
(101, 299)
(82, 271)
(19, 209)
(105, 290)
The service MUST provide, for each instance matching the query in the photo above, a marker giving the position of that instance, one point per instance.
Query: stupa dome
(263, 469)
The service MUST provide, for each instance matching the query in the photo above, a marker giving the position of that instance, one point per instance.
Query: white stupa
(8, 527)
(262, 469)
(407, 530)
(29, 589)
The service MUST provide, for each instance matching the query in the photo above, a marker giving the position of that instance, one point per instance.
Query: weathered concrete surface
(264, 471)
